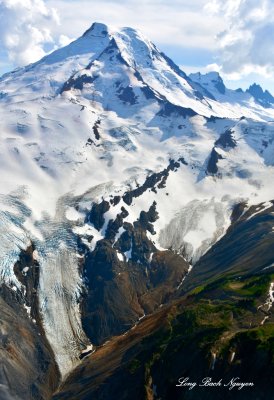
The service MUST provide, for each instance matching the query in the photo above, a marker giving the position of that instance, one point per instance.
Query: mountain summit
(263, 97)
(211, 80)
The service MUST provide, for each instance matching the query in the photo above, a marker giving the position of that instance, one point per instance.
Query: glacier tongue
(59, 295)
(60, 287)
(60, 283)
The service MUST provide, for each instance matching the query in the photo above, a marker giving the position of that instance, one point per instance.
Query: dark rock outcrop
(77, 82)
(169, 109)
(264, 98)
(212, 165)
(96, 129)
(96, 214)
(152, 180)
(127, 277)
(127, 95)
(27, 367)
(226, 140)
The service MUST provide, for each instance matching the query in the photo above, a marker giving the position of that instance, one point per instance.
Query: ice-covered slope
(112, 121)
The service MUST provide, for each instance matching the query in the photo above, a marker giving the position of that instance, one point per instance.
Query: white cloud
(25, 29)
(178, 22)
(246, 45)
(64, 40)
(203, 70)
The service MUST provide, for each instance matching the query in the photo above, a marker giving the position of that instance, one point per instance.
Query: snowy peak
(133, 64)
(47, 76)
(265, 98)
(211, 81)
(97, 29)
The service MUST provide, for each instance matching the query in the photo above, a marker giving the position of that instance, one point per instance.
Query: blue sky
(234, 37)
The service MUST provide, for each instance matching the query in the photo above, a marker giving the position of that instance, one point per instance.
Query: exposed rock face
(171, 109)
(127, 95)
(226, 140)
(126, 275)
(96, 129)
(264, 98)
(127, 278)
(212, 166)
(77, 82)
(26, 270)
(96, 215)
(28, 369)
(153, 181)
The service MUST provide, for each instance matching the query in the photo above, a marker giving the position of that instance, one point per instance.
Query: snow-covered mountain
(113, 156)
(264, 98)
(253, 97)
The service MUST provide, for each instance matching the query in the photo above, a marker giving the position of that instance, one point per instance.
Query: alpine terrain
(137, 227)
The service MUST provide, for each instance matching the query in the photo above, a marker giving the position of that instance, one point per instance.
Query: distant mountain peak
(264, 98)
(212, 81)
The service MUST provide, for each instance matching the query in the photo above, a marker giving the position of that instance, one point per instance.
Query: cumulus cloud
(25, 30)
(177, 23)
(246, 44)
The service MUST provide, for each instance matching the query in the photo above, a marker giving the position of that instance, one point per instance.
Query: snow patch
(73, 215)
(120, 256)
